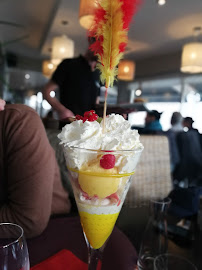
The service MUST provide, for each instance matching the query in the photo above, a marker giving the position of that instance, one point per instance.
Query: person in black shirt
(78, 83)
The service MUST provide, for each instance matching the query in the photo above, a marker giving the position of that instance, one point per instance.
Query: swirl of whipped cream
(118, 135)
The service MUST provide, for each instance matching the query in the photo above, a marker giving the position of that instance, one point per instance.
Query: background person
(152, 123)
(2, 104)
(30, 186)
(77, 82)
(176, 127)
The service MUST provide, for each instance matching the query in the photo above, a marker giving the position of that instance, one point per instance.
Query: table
(132, 221)
(66, 233)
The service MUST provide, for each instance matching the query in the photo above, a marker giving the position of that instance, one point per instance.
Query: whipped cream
(118, 135)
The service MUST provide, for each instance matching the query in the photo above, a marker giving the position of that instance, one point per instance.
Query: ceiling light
(52, 94)
(39, 97)
(138, 92)
(48, 68)
(191, 61)
(86, 12)
(126, 70)
(161, 2)
(62, 47)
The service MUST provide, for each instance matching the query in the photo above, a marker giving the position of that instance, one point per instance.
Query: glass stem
(94, 258)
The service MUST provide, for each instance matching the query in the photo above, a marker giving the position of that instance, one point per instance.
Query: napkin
(63, 260)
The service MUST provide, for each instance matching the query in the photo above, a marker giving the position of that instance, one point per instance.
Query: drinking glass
(100, 180)
(13, 248)
(155, 241)
(172, 262)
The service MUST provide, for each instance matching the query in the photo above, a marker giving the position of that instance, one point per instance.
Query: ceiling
(156, 36)
(155, 30)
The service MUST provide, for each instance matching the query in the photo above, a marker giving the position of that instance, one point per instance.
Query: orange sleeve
(30, 170)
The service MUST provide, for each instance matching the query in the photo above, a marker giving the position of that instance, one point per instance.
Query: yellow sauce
(97, 227)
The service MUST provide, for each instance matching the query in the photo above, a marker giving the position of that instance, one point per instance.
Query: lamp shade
(48, 68)
(191, 61)
(126, 70)
(62, 47)
(86, 12)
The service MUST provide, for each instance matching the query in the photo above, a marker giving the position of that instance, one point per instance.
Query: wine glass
(13, 248)
(100, 180)
(172, 262)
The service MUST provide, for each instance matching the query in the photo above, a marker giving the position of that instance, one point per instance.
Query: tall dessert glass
(100, 181)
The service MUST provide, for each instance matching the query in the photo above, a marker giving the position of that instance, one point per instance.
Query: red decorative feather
(110, 29)
(129, 8)
(104, 29)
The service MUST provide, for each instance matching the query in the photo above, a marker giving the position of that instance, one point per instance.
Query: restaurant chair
(152, 178)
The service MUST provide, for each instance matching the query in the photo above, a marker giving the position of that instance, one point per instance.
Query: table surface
(120, 251)
(132, 222)
(66, 233)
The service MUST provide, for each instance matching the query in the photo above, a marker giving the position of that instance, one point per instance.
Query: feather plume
(110, 29)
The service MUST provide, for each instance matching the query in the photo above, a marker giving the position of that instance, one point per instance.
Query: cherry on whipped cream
(107, 161)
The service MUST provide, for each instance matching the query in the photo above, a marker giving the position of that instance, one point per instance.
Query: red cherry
(79, 117)
(89, 115)
(92, 117)
(107, 161)
(86, 114)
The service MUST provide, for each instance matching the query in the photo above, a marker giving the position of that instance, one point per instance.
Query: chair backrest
(55, 143)
(152, 178)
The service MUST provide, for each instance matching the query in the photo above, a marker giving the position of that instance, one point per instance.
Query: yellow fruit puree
(97, 227)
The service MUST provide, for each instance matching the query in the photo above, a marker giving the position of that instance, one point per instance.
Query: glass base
(94, 259)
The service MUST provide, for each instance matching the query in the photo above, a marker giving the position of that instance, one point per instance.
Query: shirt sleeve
(30, 171)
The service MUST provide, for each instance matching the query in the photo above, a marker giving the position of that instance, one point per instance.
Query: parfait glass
(13, 248)
(100, 180)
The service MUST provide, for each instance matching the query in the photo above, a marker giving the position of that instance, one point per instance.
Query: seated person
(152, 123)
(30, 184)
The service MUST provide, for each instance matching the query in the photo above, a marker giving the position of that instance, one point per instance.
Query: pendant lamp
(48, 68)
(62, 47)
(191, 60)
(126, 70)
(86, 12)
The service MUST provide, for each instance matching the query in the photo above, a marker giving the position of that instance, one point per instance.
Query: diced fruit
(114, 196)
(88, 116)
(107, 161)
(99, 120)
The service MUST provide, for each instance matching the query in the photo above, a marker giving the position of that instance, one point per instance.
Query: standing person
(190, 151)
(77, 82)
(188, 123)
(176, 122)
(176, 127)
(31, 190)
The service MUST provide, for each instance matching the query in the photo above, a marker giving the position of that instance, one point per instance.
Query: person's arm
(97, 100)
(30, 167)
(62, 111)
(2, 104)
